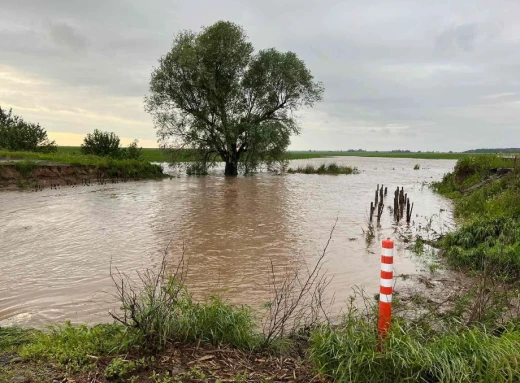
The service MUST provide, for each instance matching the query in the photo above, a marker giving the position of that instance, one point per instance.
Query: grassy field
(126, 168)
(156, 155)
(148, 154)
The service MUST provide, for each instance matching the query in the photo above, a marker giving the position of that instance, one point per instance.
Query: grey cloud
(64, 34)
(460, 37)
(440, 68)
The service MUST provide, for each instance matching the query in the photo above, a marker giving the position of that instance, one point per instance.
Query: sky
(419, 75)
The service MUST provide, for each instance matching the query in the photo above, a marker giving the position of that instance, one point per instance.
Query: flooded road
(56, 246)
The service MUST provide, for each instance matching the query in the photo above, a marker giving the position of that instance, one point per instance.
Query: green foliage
(486, 242)
(218, 322)
(471, 169)
(103, 144)
(17, 134)
(160, 313)
(74, 347)
(196, 169)
(13, 337)
(348, 353)
(121, 368)
(25, 167)
(133, 151)
(333, 169)
(213, 94)
(490, 234)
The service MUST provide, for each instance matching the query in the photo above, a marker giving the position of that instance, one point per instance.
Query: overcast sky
(410, 74)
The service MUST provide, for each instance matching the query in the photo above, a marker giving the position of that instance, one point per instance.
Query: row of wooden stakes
(402, 204)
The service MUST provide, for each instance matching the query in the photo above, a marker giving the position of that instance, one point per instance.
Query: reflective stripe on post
(385, 288)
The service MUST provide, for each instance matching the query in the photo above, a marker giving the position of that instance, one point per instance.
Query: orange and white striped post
(385, 288)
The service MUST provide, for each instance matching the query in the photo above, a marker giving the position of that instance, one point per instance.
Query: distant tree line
(496, 150)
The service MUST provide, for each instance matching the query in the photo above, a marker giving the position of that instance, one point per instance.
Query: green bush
(17, 134)
(133, 151)
(159, 313)
(103, 144)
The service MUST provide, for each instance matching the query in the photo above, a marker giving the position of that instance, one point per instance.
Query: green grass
(348, 353)
(331, 169)
(74, 347)
(162, 312)
(147, 154)
(489, 234)
(112, 167)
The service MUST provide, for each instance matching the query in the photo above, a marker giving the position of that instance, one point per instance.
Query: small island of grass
(332, 169)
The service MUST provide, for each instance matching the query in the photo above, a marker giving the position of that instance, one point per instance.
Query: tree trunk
(232, 162)
(231, 168)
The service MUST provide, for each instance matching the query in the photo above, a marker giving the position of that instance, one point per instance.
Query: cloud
(455, 38)
(65, 35)
(435, 75)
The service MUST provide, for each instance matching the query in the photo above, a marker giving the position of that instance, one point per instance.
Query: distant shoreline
(157, 155)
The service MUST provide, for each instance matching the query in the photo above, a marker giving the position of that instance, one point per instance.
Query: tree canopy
(19, 135)
(212, 94)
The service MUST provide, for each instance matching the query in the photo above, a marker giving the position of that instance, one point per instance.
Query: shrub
(159, 312)
(101, 144)
(17, 134)
(133, 152)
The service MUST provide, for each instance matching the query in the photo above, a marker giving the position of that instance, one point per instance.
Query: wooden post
(371, 210)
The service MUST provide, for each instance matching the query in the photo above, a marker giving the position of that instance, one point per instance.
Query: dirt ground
(180, 363)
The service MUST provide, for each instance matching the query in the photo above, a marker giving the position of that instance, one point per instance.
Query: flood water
(57, 246)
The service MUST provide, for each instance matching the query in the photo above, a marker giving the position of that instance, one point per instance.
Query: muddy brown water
(57, 246)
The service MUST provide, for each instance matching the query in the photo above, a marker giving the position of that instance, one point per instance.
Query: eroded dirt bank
(28, 176)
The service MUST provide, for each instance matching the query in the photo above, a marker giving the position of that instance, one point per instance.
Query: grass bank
(485, 191)
(23, 169)
(331, 169)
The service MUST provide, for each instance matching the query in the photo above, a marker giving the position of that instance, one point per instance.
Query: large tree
(213, 95)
